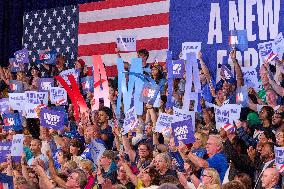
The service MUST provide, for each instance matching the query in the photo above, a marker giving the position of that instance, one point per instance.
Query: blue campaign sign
(37, 97)
(178, 68)
(52, 119)
(15, 66)
(87, 84)
(44, 84)
(12, 121)
(242, 96)
(58, 95)
(210, 22)
(5, 150)
(4, 105)
(149, 93)
(238, 40)
(183, 131)
(16, 86)
(22, 56)
(47, 57)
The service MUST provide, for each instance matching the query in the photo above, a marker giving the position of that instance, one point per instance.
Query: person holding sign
(36, 150)
(207, 85)
(216, 160)
(35, 78)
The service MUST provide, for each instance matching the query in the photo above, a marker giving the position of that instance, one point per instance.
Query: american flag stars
(54, 29)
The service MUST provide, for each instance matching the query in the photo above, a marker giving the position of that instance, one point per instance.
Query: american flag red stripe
(111, 4)
(124, 23)
(101, 22)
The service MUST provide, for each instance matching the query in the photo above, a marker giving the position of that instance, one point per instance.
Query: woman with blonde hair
(210, 179)
(163, 164)
(198, 147)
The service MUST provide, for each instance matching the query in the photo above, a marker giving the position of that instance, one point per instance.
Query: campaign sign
(37, 97)
(149, 93)
(47, 57)
(58, 94)
(279, 158)
(17, 147)
(250, 77)
(242, 96)
(225, 114)
(64, 74)
(12, 121)
(178, 68)
(126, 43)
(279, 43)
(52, 119)
(16, 86)
(22, 56)
(17, 101)
(130, 121)
(226, 72)
(44, 84)
(15, 66)
(183, 114)
(5, 150)
(164, 122)
(183, 131)
(97, 150)
(4, 105)
(238, 40)
(266, 51)
(61, 109)
(188, 47)
(30, 110)
(87, 84)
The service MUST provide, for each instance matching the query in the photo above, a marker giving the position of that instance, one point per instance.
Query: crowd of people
(239, 158)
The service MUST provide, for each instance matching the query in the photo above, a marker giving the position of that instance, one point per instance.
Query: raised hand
(233, 54)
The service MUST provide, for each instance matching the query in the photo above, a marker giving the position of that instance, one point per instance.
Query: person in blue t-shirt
(105, 114)
(90, 134)
(216, 160)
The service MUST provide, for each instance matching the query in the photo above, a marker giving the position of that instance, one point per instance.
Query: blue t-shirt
(55, 159)
(200, 152)
(220, 163)
(6, 179)
(109, 142)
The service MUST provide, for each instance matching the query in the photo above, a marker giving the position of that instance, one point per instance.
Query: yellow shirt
(139, 184)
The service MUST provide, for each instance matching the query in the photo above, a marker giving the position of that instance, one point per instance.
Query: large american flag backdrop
(91, 29)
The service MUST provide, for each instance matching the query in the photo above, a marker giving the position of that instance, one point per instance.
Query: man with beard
(265, 160)
(105, 114)
(90, 134)
(277, 120)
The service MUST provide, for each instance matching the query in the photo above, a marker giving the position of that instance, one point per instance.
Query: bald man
(270, 179)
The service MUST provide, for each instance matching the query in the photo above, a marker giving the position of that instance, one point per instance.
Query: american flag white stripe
(152, 35)
(123, 12)
(110, 36)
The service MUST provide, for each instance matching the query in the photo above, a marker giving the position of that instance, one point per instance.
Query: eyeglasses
(141, 149)
(71, 177)
(203, 175)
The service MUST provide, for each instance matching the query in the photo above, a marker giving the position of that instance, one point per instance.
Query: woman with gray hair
(163, 164)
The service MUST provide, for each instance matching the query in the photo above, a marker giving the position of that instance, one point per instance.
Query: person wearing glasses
(277, 119)
(216, 160)
(210, 179)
